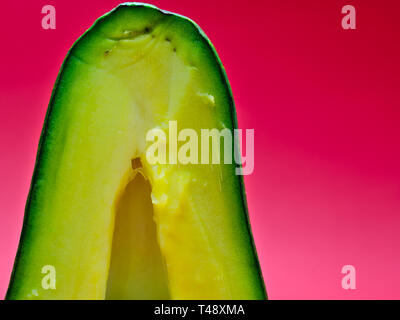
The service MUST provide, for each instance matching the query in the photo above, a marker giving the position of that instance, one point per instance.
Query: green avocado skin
(45, 151)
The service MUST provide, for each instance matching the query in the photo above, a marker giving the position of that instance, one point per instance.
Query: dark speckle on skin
(168, 39)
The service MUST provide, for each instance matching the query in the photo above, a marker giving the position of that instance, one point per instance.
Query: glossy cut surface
(115, 229)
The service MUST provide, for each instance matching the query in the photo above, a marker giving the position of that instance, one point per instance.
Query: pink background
(324, 103)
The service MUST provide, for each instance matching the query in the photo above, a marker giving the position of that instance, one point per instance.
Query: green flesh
(116, 230)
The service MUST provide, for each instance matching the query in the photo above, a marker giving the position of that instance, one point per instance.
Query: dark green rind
(17, 280)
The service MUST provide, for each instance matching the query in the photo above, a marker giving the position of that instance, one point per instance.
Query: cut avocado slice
(110, 224)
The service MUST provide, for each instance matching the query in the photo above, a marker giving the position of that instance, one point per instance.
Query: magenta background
(324, 103)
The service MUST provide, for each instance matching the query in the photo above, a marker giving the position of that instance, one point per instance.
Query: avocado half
(110, 224)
